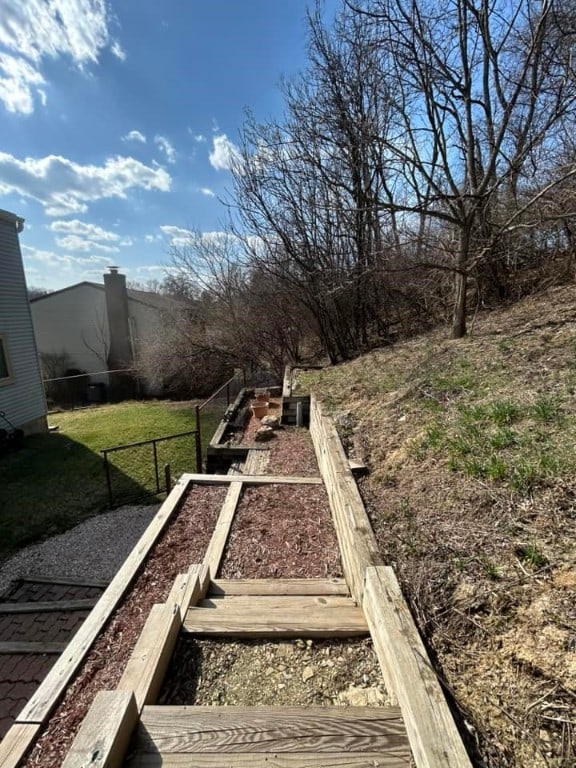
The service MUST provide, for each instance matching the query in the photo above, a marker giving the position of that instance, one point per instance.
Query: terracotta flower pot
(262, 397)
(259, 409)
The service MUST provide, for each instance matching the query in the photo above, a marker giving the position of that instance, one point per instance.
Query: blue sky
(118, 121)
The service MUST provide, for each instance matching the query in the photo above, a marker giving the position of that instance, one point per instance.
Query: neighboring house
(21, 389)
(98, 328)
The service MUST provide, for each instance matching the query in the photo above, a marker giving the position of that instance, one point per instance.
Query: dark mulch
(184, 542)
(282, 531)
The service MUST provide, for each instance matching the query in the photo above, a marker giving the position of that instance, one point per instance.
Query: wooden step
(277, 616)
(278, 587)
(291, 737)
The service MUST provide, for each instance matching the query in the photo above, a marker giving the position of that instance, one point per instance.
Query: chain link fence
(144, 470)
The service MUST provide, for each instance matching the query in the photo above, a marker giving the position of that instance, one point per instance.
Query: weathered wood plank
(221, 531)
(45, 698)
(105, 732)
(11, 646)
(75, 581)
(287, 382)
(262, 603)
(16, 743)
(147, 665)
(251, 480)
(278, 587)
(400, 759)
(358, 546)
(333, 622)
(256, 462)
(409, 674)
(271, 729)
(49, 606)
(189, 587)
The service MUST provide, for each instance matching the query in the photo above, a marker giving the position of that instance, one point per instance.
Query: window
(5, 368)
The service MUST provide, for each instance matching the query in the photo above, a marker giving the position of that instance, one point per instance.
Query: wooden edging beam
(251, 480)
(356, 538)
(221, 532)
(49, 606)
(74, 581)
(45, 698)
(105, 733)
(14, 646)
(410, 676)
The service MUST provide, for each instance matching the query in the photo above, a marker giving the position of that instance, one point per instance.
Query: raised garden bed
(183, 542)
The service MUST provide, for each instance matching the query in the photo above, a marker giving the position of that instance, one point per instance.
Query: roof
(150, 299)
(12, 219)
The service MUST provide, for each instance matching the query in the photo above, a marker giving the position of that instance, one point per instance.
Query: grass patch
(55, 481)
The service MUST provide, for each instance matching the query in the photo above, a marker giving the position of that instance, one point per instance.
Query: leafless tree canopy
(425, 160)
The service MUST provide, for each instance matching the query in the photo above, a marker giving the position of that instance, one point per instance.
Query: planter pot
(259, 409)
(262, 398)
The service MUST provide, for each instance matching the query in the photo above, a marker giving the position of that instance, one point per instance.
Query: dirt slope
(472, 494)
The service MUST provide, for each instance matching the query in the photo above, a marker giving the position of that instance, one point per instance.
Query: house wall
(22, 398)
(74, 321)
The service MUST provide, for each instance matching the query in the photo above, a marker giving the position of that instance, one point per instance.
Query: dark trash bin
(97, 392)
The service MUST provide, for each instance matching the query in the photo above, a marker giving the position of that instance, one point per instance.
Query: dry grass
(472, 495)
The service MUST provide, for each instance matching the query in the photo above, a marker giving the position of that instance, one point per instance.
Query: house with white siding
(21, 389)
(98, 327)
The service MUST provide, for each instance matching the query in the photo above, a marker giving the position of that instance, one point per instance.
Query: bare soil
(484, 547)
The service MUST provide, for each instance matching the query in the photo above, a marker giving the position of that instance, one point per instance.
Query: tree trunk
(460, 284)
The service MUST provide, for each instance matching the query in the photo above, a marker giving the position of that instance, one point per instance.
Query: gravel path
(96, 548)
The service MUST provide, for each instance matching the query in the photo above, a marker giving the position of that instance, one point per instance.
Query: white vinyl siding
(22, 394)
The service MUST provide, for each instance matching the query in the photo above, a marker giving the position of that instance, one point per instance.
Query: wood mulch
(292, 453)
(254, 424)
(183, 542)
(282, 531)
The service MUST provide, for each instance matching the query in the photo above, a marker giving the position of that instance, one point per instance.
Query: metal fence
(80, 390)
(211, 412)
(143, 470)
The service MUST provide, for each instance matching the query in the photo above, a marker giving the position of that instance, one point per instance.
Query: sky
(119, 121)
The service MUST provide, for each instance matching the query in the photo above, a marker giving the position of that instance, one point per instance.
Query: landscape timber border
(409, 675)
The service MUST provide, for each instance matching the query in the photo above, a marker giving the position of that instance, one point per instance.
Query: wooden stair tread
(398, 759)
(288, 617)
(278, 587)
(276, 603)
(187, 729)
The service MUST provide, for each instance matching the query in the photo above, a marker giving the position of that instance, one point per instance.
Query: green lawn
(57, 480)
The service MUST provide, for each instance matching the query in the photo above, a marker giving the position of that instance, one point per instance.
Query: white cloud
(83, 229)
(118, 51)
(199, 138)
(166, 148)
(76, 243)
(225, 154)
(64, 187)
(135, 136)
(177, 235)
(32, 31)
(206, 191)
(62, 261)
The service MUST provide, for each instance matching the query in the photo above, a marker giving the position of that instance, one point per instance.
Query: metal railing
(138, 476)
(216, 405)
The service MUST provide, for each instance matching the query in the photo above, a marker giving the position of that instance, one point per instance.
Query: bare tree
(483, 92)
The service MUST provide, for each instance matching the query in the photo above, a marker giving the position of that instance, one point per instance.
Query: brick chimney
(120, 352)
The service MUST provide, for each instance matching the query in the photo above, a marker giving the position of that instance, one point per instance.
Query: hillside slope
(472, 494)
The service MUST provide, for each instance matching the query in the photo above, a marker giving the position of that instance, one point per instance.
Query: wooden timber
(283, 617)
(278, 587)
(49, 606)
(356, 538)
(148, 663)
(12, 646)
(220, 536)
(105, 732)
(75, 581)
(272, 760)
(44, 699)
(16, 743)
(189, 587)
(277, 602)
(200, 730)
(218, 435)
(409, 674)
(251, 480)
(287, 382)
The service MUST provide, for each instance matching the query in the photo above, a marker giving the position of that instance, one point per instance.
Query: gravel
(95, 549)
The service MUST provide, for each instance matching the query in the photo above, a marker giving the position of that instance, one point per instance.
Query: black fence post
(167, 478)
(198, 442)
(156, 466)
(108, 480)
(227, 394)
